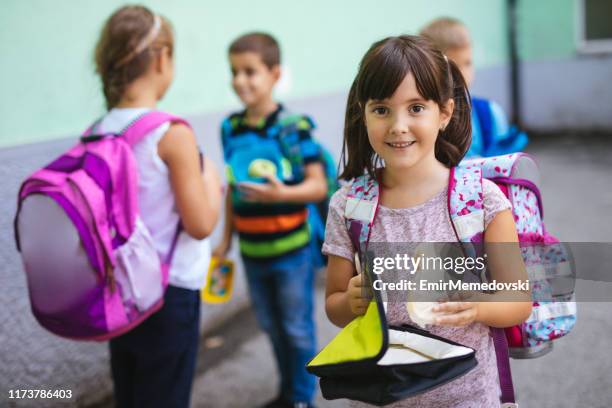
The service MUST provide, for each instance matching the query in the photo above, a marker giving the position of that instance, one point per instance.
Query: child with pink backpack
(113, 232)
(407, 129)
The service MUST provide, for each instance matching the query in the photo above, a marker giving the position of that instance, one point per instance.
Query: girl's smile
(401, 145)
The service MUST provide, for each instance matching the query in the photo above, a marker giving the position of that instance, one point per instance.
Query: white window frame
(584, 45)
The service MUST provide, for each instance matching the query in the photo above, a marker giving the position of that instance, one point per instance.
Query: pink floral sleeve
(337, 240)
(494, 201)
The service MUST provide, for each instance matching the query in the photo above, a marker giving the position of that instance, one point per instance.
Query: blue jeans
(282, 294)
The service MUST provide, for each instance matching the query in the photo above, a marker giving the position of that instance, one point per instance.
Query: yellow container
(219, 281)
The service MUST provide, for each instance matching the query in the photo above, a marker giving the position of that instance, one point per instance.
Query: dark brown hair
(381, 71)
(262, 44)
(116, 61)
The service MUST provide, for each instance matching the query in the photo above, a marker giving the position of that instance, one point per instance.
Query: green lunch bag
(377, 363)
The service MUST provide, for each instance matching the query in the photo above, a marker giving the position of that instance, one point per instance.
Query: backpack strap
(361, 207)
(147, 122)
(92, 127)
(465, 202)
(287, 130)
(228, 127)
(137, 130)
(465, 205)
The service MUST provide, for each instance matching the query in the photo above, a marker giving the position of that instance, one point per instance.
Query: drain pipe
(515, 72)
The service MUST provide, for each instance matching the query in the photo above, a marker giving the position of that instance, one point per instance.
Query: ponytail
(454, 141)
(357, 153)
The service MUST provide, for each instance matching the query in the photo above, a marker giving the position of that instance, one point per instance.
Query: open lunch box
(373, 362)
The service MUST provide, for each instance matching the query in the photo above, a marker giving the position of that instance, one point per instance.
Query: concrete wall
(556, 95)
(47, 74)
(50, 89)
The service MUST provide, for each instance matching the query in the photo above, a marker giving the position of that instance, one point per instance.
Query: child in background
(270, 216)
(491, 134)
(153, 365)
(408, 108)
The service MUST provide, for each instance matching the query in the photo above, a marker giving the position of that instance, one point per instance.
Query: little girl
(407, 123)
(153, 365)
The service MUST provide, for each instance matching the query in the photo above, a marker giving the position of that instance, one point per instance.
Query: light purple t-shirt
(429, 222)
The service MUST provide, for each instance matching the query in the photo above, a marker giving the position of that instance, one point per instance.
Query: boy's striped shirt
(269, 230)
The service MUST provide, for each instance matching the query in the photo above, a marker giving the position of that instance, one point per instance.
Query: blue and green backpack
(281, 147)
(288, 127)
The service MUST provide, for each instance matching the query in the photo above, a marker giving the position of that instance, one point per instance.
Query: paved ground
(239, 372)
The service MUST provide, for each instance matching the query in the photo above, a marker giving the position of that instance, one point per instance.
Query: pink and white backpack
(92, 269)
(517, 175)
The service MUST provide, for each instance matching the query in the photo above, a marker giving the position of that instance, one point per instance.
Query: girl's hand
(355, 292)
(456, 313)
(270, 192)
(221, 250)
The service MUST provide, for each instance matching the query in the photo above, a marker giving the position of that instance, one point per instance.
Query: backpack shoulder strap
(294, 121)
(146, 123)
(92, 127)
(287, 130)
(360, 211)
(230, 123)
(465, 202)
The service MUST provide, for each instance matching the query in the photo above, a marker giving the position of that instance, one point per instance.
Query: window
(594, 28)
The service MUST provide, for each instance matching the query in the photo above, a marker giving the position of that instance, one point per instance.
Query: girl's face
(403, 128)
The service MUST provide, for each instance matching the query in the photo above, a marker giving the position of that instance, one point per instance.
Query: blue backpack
(282, 148)
(288, 127)
(514, 140)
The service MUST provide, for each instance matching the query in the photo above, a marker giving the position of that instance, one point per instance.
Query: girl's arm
(312, 189)
(343, 292)
(224, 246)
(197, 195)
(506, 265)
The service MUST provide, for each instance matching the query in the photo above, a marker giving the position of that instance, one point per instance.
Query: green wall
(49, 89)
(546, 29)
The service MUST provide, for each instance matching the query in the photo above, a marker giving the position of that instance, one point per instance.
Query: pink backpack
(548, 262)
(517, 176)
(92, 269)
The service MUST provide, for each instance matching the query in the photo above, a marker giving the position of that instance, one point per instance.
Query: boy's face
(463, 58)
(252, 80)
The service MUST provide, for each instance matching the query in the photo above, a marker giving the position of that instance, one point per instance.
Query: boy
(491, 134)
(274, 169)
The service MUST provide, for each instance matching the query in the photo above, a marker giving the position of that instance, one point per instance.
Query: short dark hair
(381, 71)
(262, 44)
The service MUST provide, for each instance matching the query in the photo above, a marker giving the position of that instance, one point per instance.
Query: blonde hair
(126, 46)
(446, 33)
